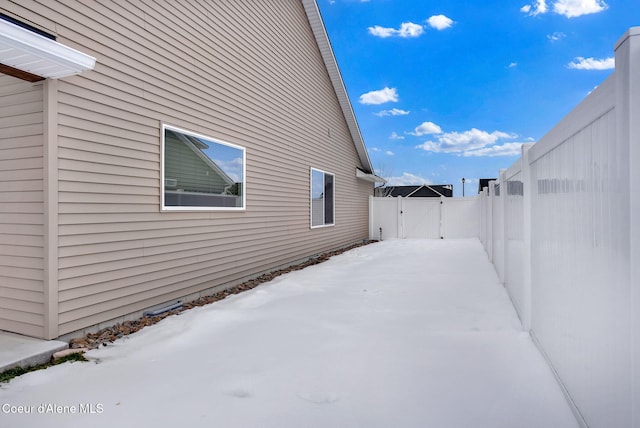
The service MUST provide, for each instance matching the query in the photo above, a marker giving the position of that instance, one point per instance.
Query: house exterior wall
(21, 209)
(244, 72)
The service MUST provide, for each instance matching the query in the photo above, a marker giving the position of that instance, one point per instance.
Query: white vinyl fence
(562, 228)
(427, 218)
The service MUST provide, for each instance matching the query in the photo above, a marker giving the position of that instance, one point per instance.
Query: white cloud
(462, 142)
(538, 8)
(439, 22)
(426, 128)
(383, 32)
(378, 150)
(556, 36)
(392, 112)
(594, 88)
(409, 29)
(512, 65)
(581, 63)
(568, 8)
(233, 168)
(407, 179)
(380, 96)
(395, 136)
(406, 30)
(574, 8)
(507, 149)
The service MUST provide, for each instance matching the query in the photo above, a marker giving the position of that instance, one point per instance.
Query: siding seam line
(50, 142)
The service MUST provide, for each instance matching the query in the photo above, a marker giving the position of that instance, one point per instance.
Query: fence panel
(563, 233)
(514, 241)
(579, 278)
(384, 218)
(461, 217)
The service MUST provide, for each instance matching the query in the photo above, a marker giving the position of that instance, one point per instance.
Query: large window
(322, 198)
(201, 173)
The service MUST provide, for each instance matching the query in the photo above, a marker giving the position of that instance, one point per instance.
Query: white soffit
(369, 177)
(36, 54)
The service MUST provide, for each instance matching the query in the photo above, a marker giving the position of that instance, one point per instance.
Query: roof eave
(369, 176)
(322, 39)
(35, 54)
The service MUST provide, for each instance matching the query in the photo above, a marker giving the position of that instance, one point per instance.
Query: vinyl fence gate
(424, 218)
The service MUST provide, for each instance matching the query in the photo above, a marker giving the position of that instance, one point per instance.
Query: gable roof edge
(322, 39)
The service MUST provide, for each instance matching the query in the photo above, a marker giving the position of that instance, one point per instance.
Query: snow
(405, 333)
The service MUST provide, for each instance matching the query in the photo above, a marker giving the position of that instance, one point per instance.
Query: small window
(201, 173)
(322, 198)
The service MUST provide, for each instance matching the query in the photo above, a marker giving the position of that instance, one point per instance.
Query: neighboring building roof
(322, 39)
(419, 191)
(484, 182)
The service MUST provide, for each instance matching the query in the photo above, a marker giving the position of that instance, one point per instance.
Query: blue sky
(228, 158)
(449, 89)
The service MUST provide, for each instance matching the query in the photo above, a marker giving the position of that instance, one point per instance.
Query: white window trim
(311, 199)
(164, 208)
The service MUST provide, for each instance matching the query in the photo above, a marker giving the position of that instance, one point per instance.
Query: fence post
(482, 226)
(443, 218)
(371, 216)
(503, 227)
(527, 196)
(485, 215)
(400, 218)
(628, 131)
(492, 195)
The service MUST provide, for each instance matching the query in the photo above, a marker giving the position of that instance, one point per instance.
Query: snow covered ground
(405, 333)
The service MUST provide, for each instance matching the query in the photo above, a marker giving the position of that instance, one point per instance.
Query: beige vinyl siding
(245, 72)
(21, 206)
